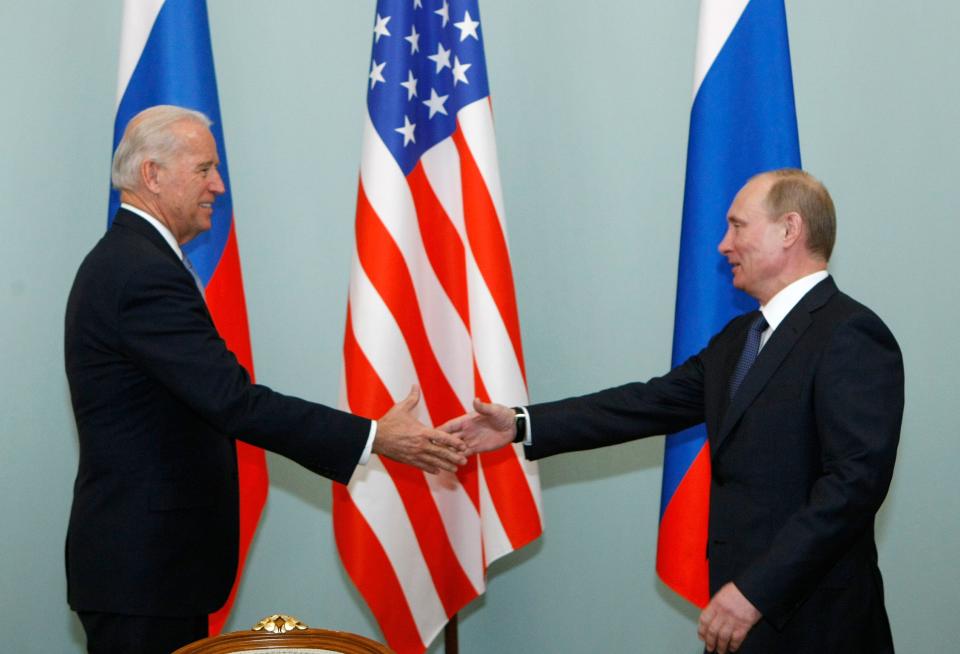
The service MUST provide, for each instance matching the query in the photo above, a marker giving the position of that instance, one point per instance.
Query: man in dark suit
(803, 436)
(158, 399)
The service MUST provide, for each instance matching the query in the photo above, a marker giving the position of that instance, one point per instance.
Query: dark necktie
(193, 272)
(750, 349)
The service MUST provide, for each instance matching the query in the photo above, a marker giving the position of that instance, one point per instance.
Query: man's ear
(150, 175)
(792, 228)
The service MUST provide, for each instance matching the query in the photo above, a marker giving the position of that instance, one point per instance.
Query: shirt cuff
(528, 436)
(369, 448)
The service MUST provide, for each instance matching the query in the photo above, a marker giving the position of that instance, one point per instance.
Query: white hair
(148, 137)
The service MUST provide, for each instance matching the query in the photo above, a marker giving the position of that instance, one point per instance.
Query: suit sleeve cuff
(369, 447)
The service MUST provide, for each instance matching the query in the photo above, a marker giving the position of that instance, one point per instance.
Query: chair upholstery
(281, 634)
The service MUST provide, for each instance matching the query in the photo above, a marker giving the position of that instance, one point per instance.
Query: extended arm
(165, 330)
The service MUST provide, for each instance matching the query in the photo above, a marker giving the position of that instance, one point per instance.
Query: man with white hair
(152, 544)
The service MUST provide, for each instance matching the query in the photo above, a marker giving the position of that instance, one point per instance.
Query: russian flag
(743, 122)
(166, 58)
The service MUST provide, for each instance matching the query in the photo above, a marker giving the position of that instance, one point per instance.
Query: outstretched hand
(488, 427)
(401, 437)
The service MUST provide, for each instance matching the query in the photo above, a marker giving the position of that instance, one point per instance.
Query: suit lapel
(130, 220)
(783, 340)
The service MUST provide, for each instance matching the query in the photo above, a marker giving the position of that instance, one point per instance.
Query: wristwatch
(520, 419)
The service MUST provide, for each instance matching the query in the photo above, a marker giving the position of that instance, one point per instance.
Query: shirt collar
(159, 226)
(783, 302)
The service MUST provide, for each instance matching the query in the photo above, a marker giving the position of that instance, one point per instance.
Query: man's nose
(724, 245)
(216, 183)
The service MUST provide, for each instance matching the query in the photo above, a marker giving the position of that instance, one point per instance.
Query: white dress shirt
(783, 302)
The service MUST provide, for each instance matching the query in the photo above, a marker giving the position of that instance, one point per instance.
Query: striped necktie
(750, 350)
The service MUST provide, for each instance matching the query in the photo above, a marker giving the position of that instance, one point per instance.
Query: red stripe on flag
(366, 394)
(682, 541)
(508, 487)
(227, 305)
(441, 241)
(368, 566)
(488, 243)
(225, 300)
(383, 262)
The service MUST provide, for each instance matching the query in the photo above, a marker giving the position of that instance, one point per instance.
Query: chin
(744, 289)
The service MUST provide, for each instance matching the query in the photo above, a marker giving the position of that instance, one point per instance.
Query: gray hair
(148, 137)
(798, 190)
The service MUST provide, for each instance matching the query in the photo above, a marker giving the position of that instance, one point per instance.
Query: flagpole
(451, 644)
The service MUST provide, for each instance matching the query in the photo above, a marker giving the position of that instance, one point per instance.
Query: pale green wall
(592, 102)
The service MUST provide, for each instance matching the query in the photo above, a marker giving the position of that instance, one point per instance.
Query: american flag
(431, 302)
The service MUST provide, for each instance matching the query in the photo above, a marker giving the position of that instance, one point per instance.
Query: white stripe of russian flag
(138, 19)
(717, 20)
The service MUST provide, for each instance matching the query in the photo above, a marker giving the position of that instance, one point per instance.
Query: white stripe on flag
(138, 19)
(532, 473)
(717, 20)
(476, 123)
(461, 523)
(496, 543)
(441, 164)
(493, 348)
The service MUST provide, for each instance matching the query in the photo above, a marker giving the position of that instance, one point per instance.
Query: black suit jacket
(158, 400)
(802, 458)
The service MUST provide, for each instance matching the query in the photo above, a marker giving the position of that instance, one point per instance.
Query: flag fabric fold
(742, 122)
(166, 58)
(432, 302)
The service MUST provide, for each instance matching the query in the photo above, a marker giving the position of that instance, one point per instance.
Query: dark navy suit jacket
(158, 401)
(802, 458)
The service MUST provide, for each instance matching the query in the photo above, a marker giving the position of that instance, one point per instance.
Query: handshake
(401, 437)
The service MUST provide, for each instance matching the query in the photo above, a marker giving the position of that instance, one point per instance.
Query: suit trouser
(113, 633)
